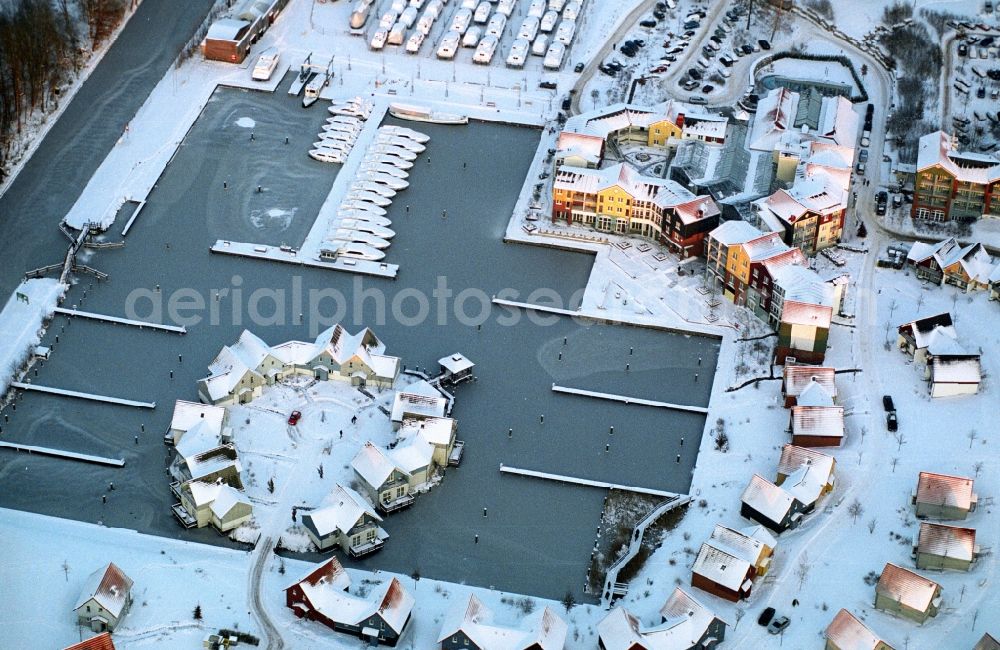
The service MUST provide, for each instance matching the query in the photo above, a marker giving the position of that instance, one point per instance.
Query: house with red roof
(105, 599)
(945, 547)
(941, 496)
(846, 632)
(100, 642)
(905, 593)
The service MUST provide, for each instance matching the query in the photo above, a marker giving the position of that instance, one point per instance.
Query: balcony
(369, 546)
(183, 516)
(397, 504)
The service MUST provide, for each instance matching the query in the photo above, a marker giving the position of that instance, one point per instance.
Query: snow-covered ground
(21, 322)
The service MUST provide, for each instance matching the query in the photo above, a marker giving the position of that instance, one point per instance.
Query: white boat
(341, 147)
(398, 152)
(344, 119)
(367, 217)
(423, 114)
(352, 111)
(389, 159)
(375, 188)
(358, 237)
(369, 227)
(383, 168)
(343, 126)
(399, 141)
(339, 136)
(368, 197)
(385, 179)
(405, 132)
(339, 249)
(327, 155)
(361, 206)
(266, 64)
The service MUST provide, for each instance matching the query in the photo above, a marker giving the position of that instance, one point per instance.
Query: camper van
(554, 56)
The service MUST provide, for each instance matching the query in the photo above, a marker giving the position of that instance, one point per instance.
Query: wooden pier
(586, 482)
(121, 321)
(88, 396)
(628, 400)
(59, 453)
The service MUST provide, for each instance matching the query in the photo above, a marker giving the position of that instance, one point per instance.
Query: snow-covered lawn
(21, 322)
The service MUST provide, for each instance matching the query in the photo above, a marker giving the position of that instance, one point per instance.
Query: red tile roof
(797, 377)
(947, 541)
(945, 490)
(848, 633)
(803, 313)
(907, 588)
(100, 642)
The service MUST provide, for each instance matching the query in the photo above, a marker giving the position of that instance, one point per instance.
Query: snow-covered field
(21, 322)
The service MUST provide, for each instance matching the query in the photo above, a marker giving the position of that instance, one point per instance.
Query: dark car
(694, 73)
(566, 104)
(764, 44)
(887, 404)
(891, 421)
(578, 67)
(707, 88)
(659, 15)
(551, 85)
(963, 49)
(747, 49)
(294, 418)
(630, 52)
(778, 625)
(647, 23)
(765, 616)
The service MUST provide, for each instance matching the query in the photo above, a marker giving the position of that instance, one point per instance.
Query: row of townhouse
(763, 273)
(968, 267)
(240, 372)
(953, 185)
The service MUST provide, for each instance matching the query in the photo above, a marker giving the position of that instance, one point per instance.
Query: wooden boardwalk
(586, 482)
(121, 321)
(628, 400)
(88, 396)
(59, 453)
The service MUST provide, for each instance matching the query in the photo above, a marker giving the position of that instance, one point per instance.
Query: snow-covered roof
(226, 499)
(734, 232)
(814, 194)
(475, 620)
(947, 541)
(783, 112)
(455, 363)
(342, 510)
(790, 257)
(413, 455)
(945, 490)
(583, 145)
(906, 587)
(765, 246)
(325, 589)
(794, 458)
(102, 641)
(373, 466)
(807, 472)
(109, 586)
(437, 431)
(226, 29)
(212, 461)
(697, 209)
(801, 284)
(848, 633)
(721, 567)
(187, 414)
(663, 193)
(804, 313)
(814, 394)
(395, 605)
(686, 621)
(767, 498)
(199, 439)
(821, 421)
(799, 377)
(956, 371)
(418, 400)
(329, 574)
(297, 353)
(920, 330)
(937, 149)
(775, 114)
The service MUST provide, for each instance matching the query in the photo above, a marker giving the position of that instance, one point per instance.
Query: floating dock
(277, 254)
(121, 321)
(628, 400)
(88, 396)
(59, 453)
(584, 481)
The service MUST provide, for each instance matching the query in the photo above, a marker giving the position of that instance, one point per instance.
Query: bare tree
(894, 461)
(855, 509)
(802, 570)
(978, 467)
(871, 526)
(65, 568)
(740, 613)
(972, 437)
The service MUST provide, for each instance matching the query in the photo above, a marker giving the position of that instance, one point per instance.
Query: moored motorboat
(368, 197)
(327, 155)
(385, 179)
(399, 141)
(369, 186)
(399, 152)
(383, 168)
(405, 132)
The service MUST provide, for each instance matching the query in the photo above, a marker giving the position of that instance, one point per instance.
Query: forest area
(43, 44)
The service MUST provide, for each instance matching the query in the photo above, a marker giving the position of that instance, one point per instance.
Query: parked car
(765, 616)
(294, 418)
(707, 88)
(778, 625)
(888, 404)
(891, 421)
(578, 67)
(764, 44)
(863, 155)
(551, 85)
(747, 49)
(647, 23)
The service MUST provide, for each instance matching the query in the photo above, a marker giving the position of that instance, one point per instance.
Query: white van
(506, 7)
(571, 11)
(549, 20)
(397, 34)
(485, 50)
(448, 45)
(536, 8)
(529, 28)
(425, 24)
(557, 5)
(554, 57)
(471, 38)
(540, 45)
(397, 6)
(408, 17)
(460, 21)
(518, 51)
(496, 25)
(387, 20)
(566, 31)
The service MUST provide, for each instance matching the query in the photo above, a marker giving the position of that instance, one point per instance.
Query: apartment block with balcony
(954, 186)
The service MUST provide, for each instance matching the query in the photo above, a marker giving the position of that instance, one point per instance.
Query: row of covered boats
(361, 228)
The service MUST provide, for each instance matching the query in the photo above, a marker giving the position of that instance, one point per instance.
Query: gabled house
(685, 624)
(418, 401)
(100, 642)
(105, 599)
(469, 626)
(381, 480)
(953, 185)
(917, 336)
(212, 502)
(846, 632)
(945, 547)
(819, 425)
(323, 596)
(954, 374)
(797, 379)
(950, 368)
(202, 459)
(346, 520)
(439, 432)
(940, 496)
(905, 593)
(770, 505)
(192, 415)
(729, 560)
(947, 261)
(806, 474)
